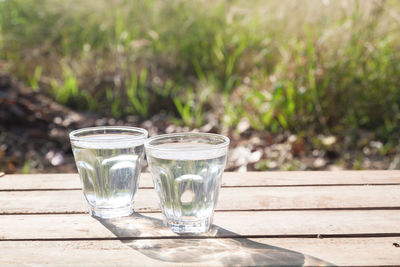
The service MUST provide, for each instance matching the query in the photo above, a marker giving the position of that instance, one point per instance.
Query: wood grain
(294, 178)
(249, 198)
(228, 224)
(250, 252)
(266, 218)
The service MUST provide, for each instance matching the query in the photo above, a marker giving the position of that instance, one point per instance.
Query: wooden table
(265, 218)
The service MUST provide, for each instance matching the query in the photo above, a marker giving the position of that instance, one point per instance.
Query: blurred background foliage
(305, 67)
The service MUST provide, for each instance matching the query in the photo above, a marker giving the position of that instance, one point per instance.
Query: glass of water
(187, 170)
(109, 163)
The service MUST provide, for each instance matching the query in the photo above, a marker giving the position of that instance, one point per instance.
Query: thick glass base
(185, 227)
(110, 213)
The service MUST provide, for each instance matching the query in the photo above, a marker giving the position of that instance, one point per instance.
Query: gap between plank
(225, 210)
(226, 186)
(316, 236)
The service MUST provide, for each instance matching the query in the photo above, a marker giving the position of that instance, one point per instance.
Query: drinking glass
(109, 163)
(187, 170)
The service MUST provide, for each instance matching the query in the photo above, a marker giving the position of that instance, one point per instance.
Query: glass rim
(142, 133)
(225, 141)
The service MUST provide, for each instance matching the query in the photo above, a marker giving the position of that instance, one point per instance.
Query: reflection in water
(200, 249)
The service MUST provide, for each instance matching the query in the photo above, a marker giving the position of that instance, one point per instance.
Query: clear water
(187, 183)
(109, 171)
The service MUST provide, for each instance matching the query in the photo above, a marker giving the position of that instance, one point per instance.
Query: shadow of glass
(227, 251)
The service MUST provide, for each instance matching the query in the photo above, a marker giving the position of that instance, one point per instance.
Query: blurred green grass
(308, 67)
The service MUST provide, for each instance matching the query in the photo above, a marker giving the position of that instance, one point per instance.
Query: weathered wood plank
(224, 252)
(147, 242)
(40, 181)
(229, 224)
(295, 178)
(304, 178)
(248, 198)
